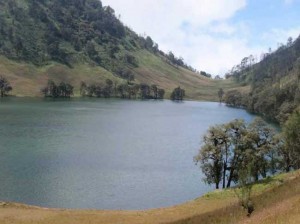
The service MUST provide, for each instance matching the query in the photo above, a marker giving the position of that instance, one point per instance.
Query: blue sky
(212, 35)
(267, 16)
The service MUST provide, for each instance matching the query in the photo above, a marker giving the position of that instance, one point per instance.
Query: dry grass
(279, 205)
(155, 71)
(276, 201)
(28, 79)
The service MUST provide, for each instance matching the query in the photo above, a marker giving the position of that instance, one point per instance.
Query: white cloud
(223, 28)
(184, 26)
(213, 54)
(142, 13)
(202, 32)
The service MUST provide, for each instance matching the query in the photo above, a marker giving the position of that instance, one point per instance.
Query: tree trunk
(232, 168)
(287, 169)
(288, 162)
(224, 173)
(230, 177)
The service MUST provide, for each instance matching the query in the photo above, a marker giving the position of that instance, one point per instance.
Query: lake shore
(275, 199)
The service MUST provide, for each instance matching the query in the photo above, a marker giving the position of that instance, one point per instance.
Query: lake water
(104, 154)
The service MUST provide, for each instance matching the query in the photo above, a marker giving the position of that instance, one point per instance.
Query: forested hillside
(82, 40)
(68, 32)
(39, 31)
(275, 82)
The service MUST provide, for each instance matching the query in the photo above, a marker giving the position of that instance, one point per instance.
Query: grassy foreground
(276, 200)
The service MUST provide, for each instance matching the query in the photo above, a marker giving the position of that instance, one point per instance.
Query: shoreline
(157, 215)
(219, 205)
(111, 98)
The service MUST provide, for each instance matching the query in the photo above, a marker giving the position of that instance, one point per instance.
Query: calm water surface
(104, 154)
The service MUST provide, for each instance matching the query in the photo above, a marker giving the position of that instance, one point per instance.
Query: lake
(104, 154)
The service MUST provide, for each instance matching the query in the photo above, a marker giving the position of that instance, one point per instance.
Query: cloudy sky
(212, 35)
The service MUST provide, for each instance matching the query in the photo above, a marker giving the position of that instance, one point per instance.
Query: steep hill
(275, 82)
(80, 40)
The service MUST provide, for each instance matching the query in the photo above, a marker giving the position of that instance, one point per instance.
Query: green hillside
(74, 41)
(275, 82)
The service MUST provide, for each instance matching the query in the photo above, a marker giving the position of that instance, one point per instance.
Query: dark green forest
(106, 90)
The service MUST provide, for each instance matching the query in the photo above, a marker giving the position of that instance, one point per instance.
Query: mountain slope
(275, 82)
(80, 40)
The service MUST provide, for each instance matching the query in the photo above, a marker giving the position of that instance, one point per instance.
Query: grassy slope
(155, 70)
(276, 200)
(28, 79)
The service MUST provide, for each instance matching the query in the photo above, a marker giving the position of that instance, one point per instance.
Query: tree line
(124, 90)
(108, 89)
(53, 90)
(231, 148)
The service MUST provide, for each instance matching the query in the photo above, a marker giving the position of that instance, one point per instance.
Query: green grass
(257, 188)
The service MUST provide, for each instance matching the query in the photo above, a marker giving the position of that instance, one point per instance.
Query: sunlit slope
(27, 79)
(155, 70)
